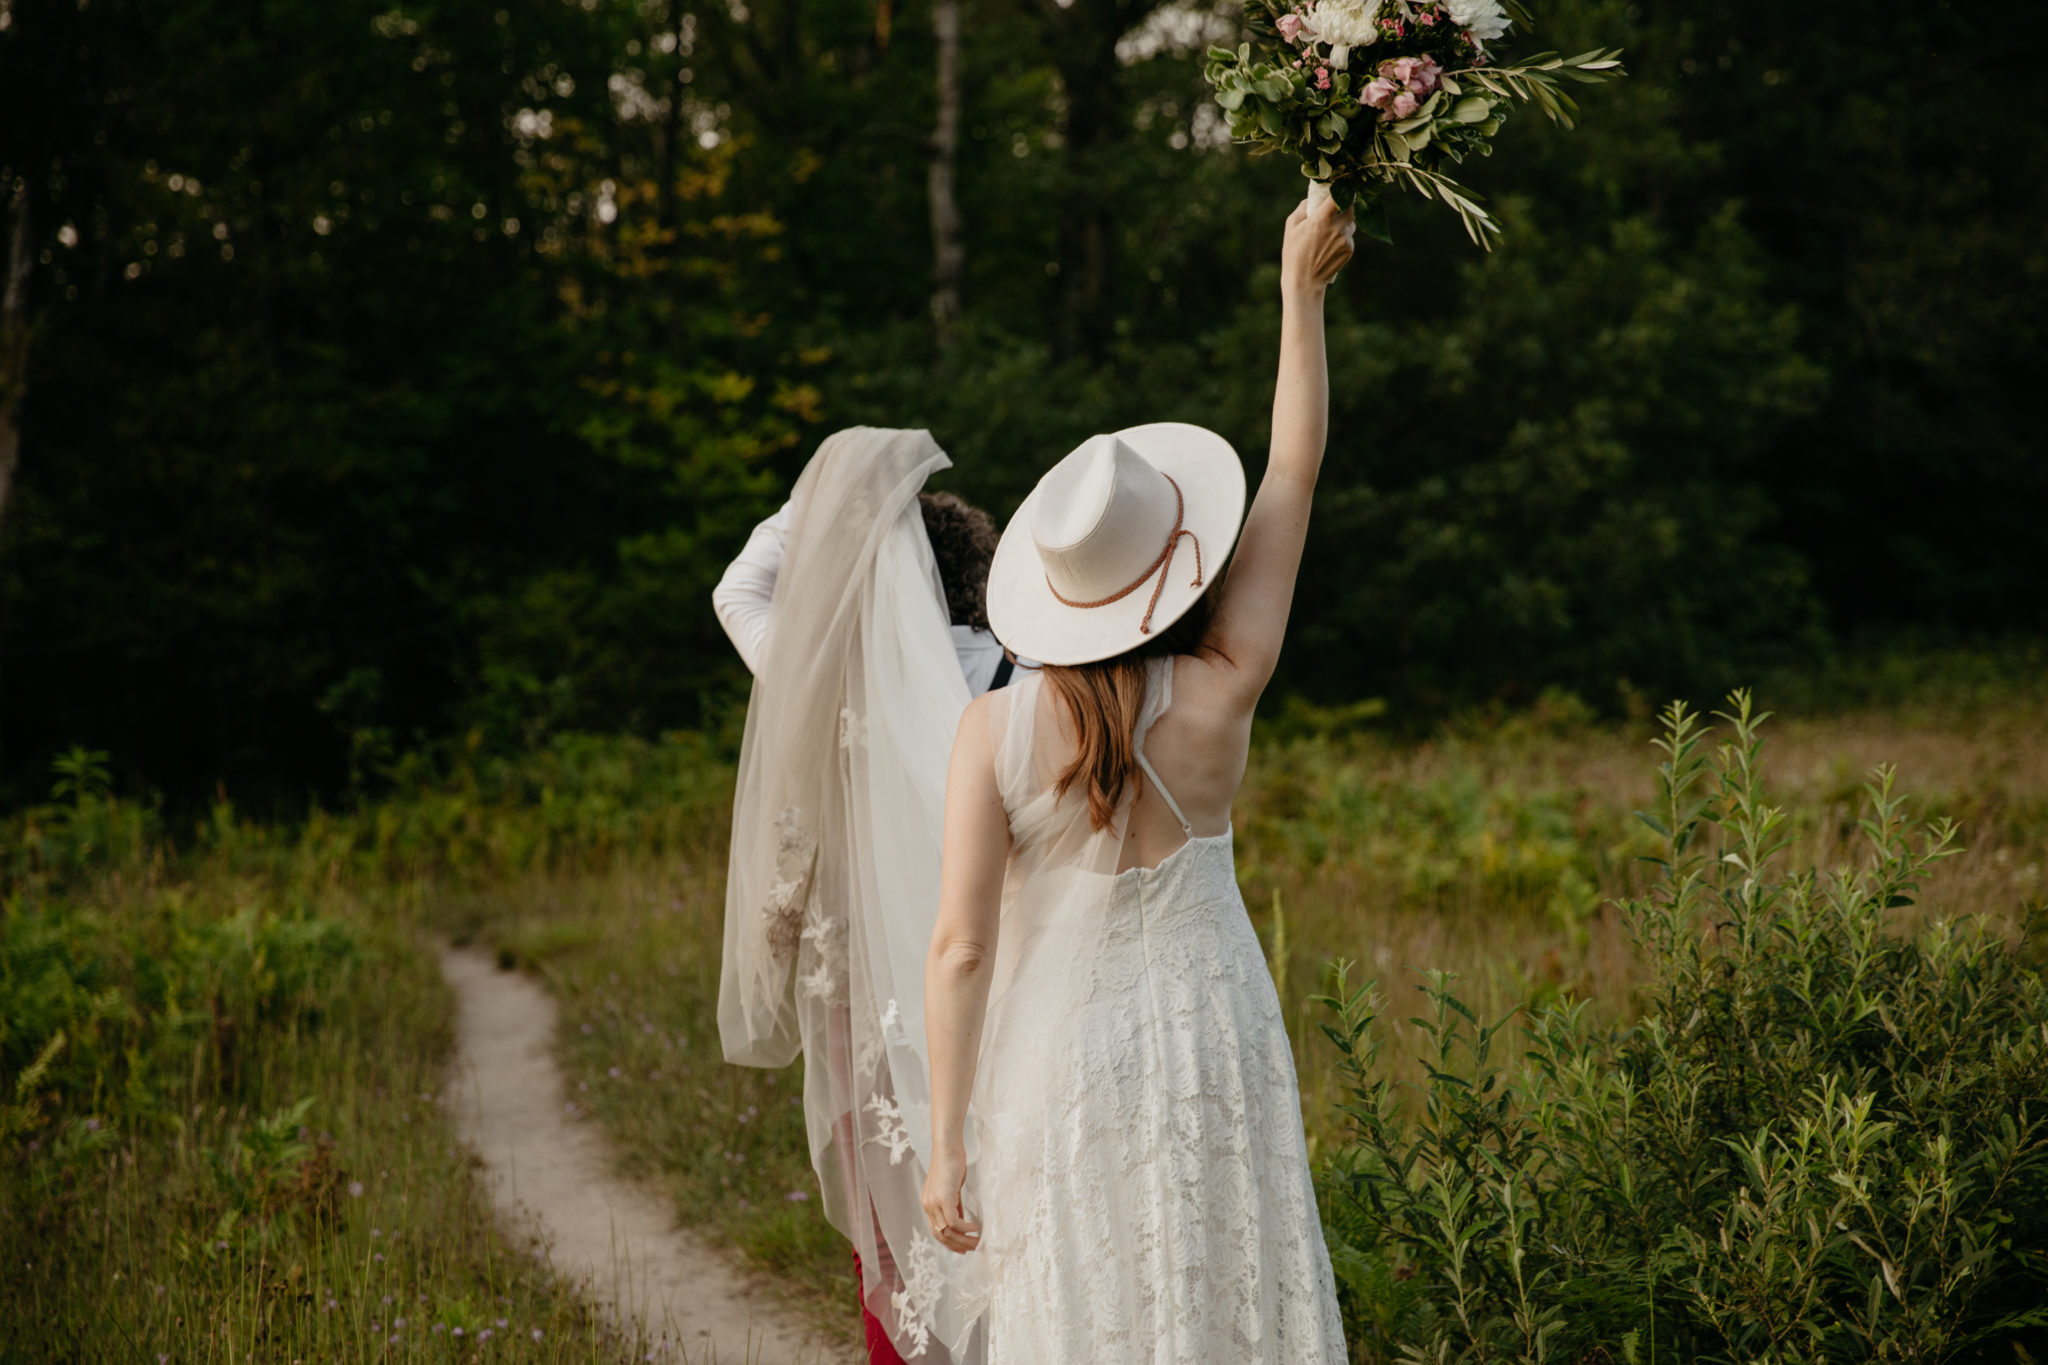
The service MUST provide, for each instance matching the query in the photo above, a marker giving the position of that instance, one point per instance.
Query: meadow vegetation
(221, 1048)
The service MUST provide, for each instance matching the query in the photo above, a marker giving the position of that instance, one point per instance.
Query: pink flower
(1417, 75)
(1322, 78)
(1428, 17)
(1379, 94)
(1290, 28)
(1404, 105)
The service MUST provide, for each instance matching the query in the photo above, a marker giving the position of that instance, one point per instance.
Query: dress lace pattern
(1143, 1179)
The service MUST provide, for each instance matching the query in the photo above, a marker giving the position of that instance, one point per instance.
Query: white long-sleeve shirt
(745, 595)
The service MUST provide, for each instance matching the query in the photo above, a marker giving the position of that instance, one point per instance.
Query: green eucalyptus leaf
(1372, 219)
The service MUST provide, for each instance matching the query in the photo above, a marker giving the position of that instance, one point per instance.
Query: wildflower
(378, 1257)
(398, 1322)
(798, 1196)
(355, 1189)
(586, 1028)
(501, 1322)
(536, 1334)
(92, 1125)
(458, 1331)
(615, 1073)
(376, 1232)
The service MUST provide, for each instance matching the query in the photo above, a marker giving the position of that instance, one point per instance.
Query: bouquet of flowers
(1381, 94)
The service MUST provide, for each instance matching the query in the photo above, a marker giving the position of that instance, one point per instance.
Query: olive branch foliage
(1823, 1139)
(1275, 106)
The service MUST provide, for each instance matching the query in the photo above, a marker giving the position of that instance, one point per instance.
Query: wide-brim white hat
(1104, 554)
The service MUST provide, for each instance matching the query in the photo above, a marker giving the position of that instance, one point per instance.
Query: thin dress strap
(1165, 795)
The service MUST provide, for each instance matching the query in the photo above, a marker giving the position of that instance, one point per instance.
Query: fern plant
(1823, 1139)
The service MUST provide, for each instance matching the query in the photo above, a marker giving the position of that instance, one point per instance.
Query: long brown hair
(1102, 701)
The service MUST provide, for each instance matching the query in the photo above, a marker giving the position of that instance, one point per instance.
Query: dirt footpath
(553, 1176)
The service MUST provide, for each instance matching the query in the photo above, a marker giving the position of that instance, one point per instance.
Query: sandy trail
(555, 1177)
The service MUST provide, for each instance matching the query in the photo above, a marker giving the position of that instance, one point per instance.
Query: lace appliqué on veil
(922, 1278)
(890, 1130)
(796, 854)
(826, 933)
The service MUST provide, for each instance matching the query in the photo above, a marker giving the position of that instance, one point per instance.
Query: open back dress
(1139, 1166)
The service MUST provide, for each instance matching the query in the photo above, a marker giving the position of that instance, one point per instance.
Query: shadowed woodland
(373, 375)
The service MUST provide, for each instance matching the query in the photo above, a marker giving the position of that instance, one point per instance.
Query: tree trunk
(1085, 35)
(14, 340)
(947, 253)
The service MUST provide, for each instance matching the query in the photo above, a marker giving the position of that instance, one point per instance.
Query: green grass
(237, 1153)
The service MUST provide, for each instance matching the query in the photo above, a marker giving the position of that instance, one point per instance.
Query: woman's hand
(1314, 249)
(941, 1200)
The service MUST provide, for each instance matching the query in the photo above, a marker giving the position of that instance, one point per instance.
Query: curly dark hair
(963, 541)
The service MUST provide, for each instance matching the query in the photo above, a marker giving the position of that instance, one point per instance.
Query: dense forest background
(372, 376)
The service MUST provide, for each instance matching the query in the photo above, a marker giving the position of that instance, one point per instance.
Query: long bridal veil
(833, 879)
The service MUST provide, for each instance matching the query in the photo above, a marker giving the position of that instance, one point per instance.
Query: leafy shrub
(1824, 1139)
(107, 1019)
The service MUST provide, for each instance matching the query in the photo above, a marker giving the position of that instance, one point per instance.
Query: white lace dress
(1139, 1166)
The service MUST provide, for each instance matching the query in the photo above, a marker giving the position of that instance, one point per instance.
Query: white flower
(1347, 23)
(1485, 18)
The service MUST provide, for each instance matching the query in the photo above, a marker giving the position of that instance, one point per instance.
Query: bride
(1115, 1126)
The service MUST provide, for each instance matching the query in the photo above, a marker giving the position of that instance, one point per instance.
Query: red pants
(881, 1350)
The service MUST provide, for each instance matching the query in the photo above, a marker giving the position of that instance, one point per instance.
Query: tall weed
(1823, 1139)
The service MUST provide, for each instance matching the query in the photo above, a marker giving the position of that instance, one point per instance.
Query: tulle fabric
(1138, 1162)
(833, 877)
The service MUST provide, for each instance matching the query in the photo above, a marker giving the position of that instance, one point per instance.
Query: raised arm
(1251, 610)
(977, 849)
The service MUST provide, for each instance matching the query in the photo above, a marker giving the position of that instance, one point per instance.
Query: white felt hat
(1115, 544)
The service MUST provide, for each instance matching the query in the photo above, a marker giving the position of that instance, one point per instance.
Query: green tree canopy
(385, 372)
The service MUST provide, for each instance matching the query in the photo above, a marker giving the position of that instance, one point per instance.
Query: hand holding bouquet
(1378, 94)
